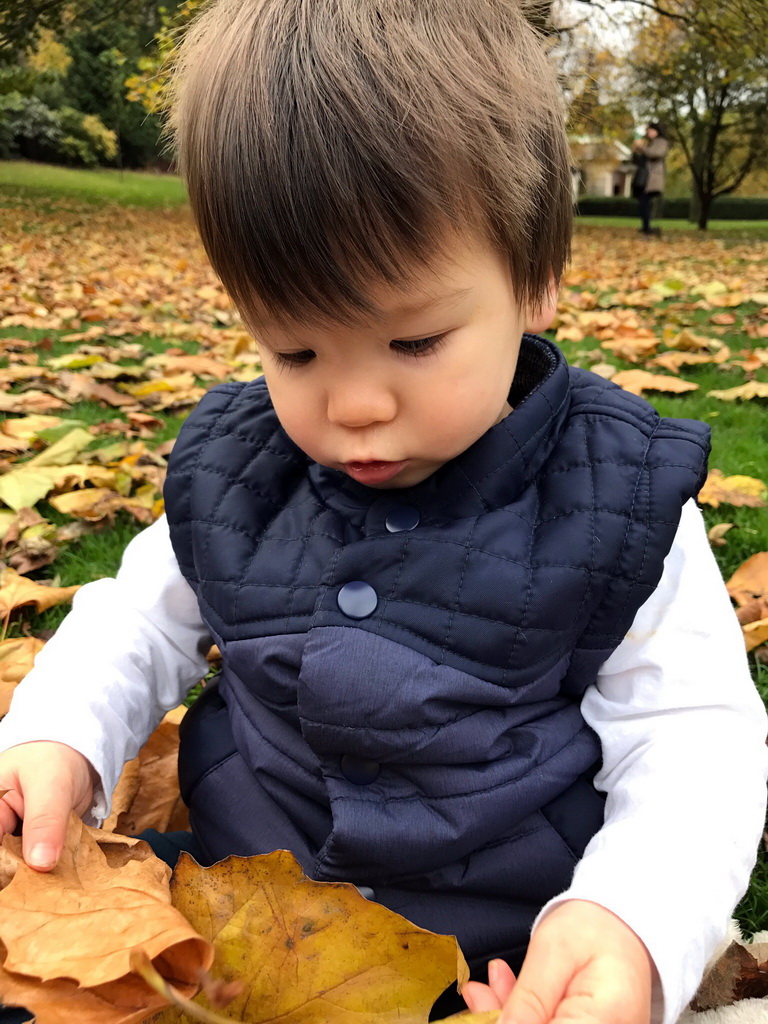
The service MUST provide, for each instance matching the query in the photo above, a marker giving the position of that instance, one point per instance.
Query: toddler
(477, 657)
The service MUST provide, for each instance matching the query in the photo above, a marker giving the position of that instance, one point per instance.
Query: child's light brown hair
(329, 144)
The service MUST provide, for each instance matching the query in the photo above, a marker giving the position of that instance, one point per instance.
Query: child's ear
(540, 318)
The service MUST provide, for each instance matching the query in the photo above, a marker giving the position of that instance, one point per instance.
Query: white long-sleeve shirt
(681, 725)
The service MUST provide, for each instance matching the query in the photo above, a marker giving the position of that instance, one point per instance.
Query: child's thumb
(46, 814)
(539, 988)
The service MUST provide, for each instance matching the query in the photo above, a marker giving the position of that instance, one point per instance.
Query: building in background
(600, 166)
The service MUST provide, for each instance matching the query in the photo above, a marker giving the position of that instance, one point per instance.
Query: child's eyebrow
(425, 305)
(400, 312)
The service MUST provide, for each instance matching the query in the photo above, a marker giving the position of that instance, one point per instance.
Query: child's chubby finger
(480, 997)
(46, 813)
(45, 781)
(11, 807)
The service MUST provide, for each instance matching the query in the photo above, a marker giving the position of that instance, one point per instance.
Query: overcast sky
(611, 20)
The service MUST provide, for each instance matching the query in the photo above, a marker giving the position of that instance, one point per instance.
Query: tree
(591, 78)
(701, 68)
(95, 84)
(22, 20)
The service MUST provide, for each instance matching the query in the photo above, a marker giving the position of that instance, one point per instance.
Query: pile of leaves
(110, 937)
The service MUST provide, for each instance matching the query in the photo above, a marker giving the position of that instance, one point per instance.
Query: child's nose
(360, 403)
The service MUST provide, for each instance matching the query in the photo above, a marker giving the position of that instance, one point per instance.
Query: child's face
(389, 402)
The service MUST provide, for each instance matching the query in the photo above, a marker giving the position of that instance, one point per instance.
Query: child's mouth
(371, 473)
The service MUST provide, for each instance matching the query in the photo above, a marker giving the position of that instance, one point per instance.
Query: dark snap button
(358, 600)
(367, 891)
(402, 517)
(359, 770)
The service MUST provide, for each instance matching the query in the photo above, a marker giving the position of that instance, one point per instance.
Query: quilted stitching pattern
(533, 552)
(543, 539)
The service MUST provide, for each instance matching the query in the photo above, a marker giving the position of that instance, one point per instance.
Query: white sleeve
(683, 735)
(129, 651)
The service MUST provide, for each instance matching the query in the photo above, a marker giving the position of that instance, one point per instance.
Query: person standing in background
(649, 154)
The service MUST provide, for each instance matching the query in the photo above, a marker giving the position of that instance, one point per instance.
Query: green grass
(739, 435)
(23, 179)
(757, 229)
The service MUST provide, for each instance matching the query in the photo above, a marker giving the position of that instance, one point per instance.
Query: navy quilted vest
(399, 700)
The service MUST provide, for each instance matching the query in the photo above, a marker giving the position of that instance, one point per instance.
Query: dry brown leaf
(569, 332)
(81, 387)
(16, 658)
(732, 490)
(164, 401)
(748, 587)
(31, 401)
(687, 341)
(28, 427)
(750, 612)
(638, 381)
(124, 794)
(294, 941)
(107, 896)
(718, 987)
(631, 350)
(153, 784)
(723, 319)
(13, 445)
(717, 534)
(199, 365)
(673, 361)
(126, 1001)
(750, 581)
(97, 503)
(755, 633)
(743, 393)
(176, 382)
(16, 591)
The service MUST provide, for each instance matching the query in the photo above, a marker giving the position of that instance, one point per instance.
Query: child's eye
(294, 358)
(419, 347)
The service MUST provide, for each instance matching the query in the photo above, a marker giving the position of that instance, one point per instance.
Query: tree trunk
(694, 207)
(705, 205)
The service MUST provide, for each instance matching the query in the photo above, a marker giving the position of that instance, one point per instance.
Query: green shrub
(87, 140)
(723, 208)
(30, 128)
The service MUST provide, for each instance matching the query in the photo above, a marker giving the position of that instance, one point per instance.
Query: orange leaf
(673, 361)
(638, 381)
(750, 581)
(147, 794)
(30, 401)
(755, 633)
(97, 503)
(732, 490)
(16, 658)
(107, 896)
(16, 591)
(126, 1001)
(632, 350)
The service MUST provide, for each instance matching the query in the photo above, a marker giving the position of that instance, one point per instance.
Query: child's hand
(583, 966)
(45, 781)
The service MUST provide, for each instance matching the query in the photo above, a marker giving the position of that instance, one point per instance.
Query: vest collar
(497, 467)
